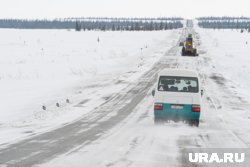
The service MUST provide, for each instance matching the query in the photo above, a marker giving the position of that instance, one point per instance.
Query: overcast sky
(122, 8)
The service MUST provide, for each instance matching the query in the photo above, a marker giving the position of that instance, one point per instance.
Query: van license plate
(177, 107)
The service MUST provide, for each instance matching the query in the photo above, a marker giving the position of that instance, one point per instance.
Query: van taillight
(158, 106)
(196, 108)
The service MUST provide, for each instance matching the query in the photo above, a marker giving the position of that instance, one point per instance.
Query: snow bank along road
(120, 132)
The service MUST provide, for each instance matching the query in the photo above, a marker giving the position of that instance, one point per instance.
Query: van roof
(178, 72)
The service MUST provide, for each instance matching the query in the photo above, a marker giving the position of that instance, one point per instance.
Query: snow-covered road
(120, 132)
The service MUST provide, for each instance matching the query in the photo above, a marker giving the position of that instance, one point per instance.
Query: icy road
(121, 132)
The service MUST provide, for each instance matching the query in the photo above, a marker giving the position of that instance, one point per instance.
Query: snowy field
(45, 67)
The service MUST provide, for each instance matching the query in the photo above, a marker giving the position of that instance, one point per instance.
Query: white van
(177, 96)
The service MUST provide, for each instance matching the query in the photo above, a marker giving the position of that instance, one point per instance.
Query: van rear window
(178, 84)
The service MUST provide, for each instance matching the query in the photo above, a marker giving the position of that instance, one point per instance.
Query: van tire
(157, 121)
(194, 123)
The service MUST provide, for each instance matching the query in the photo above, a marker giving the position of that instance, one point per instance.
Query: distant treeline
(223, 18)
(224, 22)
(114, 24)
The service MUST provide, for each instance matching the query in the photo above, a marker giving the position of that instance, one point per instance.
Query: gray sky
(122, 8)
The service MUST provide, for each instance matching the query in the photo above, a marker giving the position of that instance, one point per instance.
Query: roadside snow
(227, 62)
(43, 67)
(229, 51)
